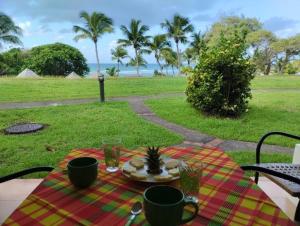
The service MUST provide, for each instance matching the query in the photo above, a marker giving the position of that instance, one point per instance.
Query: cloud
(44, 28)
(25, 26)
(29, 30)
(59, 38)
(65, 31)
(113, 44)
(277, 24)
(151, 12)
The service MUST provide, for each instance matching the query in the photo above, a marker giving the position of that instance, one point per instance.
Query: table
(226, 197)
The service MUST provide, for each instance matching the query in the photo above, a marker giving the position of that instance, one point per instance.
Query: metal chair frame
(25, 172)
(260, 169)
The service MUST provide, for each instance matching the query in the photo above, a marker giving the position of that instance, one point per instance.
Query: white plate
(150, 177)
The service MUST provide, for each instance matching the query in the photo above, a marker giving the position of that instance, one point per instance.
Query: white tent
(73, 75)
(27, 73)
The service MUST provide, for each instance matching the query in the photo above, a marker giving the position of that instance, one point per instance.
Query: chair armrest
(262, 139)
(25, 172)
(271, 172)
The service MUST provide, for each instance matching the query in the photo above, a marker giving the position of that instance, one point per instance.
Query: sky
(50, 21)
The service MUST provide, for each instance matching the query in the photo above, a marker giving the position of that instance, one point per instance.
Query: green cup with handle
(82, 171)
(163, 205)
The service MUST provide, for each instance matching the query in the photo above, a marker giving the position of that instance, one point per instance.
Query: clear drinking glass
(189, 179)
(111, 147)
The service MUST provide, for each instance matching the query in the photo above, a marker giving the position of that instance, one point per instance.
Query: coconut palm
(141, 61)
(178, 29)
(197, 42)
(189, 55)
(158, 44)
(9, 32)
(135, 37)
(112, 72)
(118, 54)
(95, 25)
(170, 58)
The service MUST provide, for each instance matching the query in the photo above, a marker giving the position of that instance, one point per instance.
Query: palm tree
(112, 72)
(118, 54)
(95, 25)
(135, 37)
(177, 29)
(141, 61)
(189, 55)
(170, 58)
(9, 32)
(197, 42)
(158, 44)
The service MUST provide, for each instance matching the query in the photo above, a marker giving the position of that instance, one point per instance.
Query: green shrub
(12, 61)
(220, 83)
(112, 72)
(290, 69)
(156, 73)
(56, 59)
(186, 70)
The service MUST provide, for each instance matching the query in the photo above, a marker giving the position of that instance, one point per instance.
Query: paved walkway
(191, 137)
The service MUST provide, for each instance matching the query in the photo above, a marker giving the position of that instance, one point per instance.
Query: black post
(101, 86)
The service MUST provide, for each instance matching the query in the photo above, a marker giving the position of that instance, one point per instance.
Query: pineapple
(153, 160)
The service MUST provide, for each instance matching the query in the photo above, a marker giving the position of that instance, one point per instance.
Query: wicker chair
(285, 175)
(25, 172)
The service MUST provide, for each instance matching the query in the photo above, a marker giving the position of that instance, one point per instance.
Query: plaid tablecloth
(227, 196)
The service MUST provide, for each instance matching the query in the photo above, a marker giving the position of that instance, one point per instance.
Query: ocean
(128, 71)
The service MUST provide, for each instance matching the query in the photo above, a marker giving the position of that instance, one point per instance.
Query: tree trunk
(97, 57)
(159, 64)
(178, 55)
(286, 60)
(137, 63)
(118, 67)
(173, 70)
(268, 69)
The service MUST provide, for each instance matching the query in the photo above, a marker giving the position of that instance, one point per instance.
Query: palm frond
(9, 32)
(81, 36)
(124, 42)
(95, 25)
(10, 39)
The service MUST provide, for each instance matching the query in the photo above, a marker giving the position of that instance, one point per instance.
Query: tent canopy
(27, 73)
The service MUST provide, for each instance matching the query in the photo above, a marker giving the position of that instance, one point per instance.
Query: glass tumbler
(111, 147)
(189, 180)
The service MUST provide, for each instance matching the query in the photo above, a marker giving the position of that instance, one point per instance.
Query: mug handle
(184, 221)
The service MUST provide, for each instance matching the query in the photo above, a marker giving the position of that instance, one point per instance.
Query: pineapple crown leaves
(153, 160)
(152, 150)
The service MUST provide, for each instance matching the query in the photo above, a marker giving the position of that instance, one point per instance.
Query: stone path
(197, 138)
(191, 137)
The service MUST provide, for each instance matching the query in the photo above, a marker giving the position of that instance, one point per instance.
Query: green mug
(163, 205)
(82, 171)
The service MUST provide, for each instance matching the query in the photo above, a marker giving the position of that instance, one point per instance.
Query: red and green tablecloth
(227, 196)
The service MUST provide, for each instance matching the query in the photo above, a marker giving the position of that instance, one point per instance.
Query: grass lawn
(276, 82)
(269, 111)
(275, 106)
(72, 127)
(247, 157)
(16, 90)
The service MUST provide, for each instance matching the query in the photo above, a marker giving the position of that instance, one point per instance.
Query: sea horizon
(130, 71)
